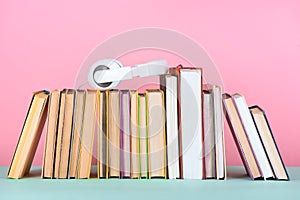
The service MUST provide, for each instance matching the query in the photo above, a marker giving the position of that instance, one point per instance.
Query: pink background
(256, 46)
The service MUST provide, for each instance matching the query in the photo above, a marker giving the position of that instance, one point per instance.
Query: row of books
(159, 133)
(175, 132)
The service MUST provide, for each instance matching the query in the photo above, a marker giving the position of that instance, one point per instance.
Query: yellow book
(113, 128)
(102, 134)
(50, 142)
(88, 132)
(30, 136)
(155, 117)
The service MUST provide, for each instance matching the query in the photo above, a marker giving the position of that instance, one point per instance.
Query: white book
(219, 133)
(172, 126)
(209, 134)
(191, 122)
(252, 135)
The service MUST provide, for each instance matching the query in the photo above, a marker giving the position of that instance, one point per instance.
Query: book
(190, 121)
(113, 143)
(88, 134)
(50, 142)
(135, 157)
(219, 133)
(125, 133)
(268, 141)
(252, 135)
(77, 132)
(30, 135)
(64, 138)
(102, 134)
(143, 138)
(240, 138)
(169, 86)
(209, 135)
(155, 121)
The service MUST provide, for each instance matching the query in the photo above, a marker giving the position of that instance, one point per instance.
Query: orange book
(65, 127)
(50, 142)
(88, 133)
(77, 130)
(30, 135)
(155, 117)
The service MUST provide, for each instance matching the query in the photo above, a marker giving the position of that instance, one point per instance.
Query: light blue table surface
(237, 186)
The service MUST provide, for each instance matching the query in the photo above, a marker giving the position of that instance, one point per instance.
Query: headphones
(108, 73)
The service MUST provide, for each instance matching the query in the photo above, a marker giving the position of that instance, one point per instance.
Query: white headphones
(107, 73)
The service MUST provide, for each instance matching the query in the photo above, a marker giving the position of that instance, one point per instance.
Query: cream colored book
(135, 161)
(113, 120)
(143, 143)
(125, 142)
(88, 133)
(64, 138)
(155, 115)
(50, 142)
(268, 141)
(30, 136)
(77, 130)
(59, 133)
(102, 135)
(209, 135)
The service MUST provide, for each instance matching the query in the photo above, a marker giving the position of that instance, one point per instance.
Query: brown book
(102, 135)
(88, 133)
(240, 138)
(135, 164)
(113, 122)
(156, 134)
(268, 141)
(142, 124)
(50, 143)
(65, 128)
(77, 130)
(30, 136)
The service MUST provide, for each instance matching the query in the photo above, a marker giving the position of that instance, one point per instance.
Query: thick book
(113, 123)
(102, 134)
(30, 135)
(168, 84)
(143, 138)
(155, 114)
(209, 135)
(134, 137)
(125, 133)
(190, 118)
(240, 138)
(252, 134)
(77, 130)
(50, 141)
(88, 134)
(268, 141)
(65, 129)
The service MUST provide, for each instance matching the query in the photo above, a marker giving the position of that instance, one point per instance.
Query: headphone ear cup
(105, 64)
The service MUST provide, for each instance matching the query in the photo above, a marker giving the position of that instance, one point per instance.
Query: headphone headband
(107, 73)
